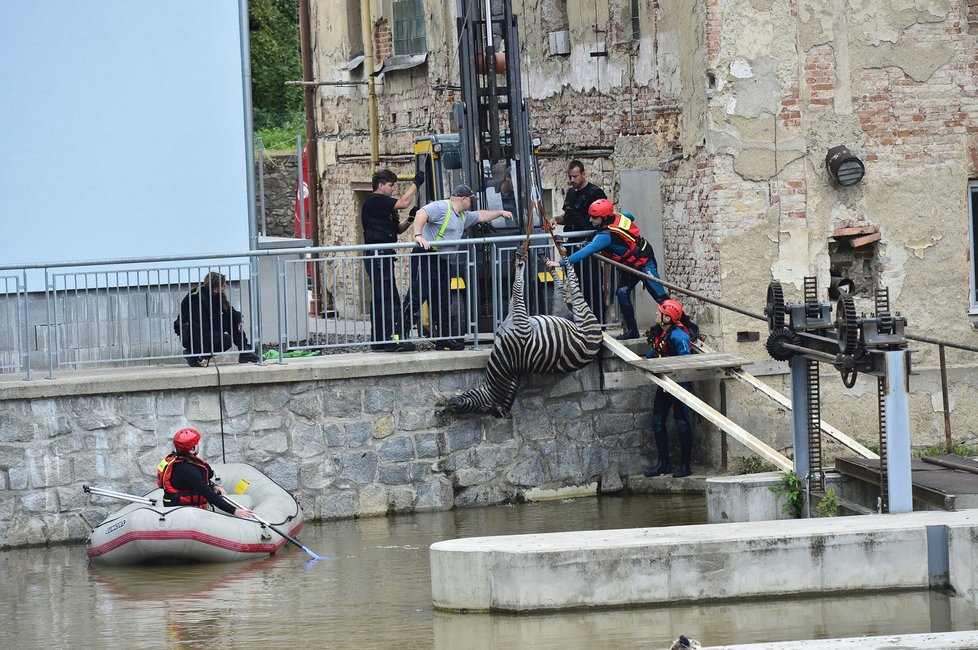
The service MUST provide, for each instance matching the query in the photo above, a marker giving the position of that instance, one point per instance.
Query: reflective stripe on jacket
(623, 231)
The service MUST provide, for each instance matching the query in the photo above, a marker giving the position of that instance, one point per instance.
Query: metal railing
(123, 312)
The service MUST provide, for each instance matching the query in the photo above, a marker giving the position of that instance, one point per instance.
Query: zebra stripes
(560, 343)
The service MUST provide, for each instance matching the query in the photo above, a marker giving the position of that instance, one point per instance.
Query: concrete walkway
(523, 573)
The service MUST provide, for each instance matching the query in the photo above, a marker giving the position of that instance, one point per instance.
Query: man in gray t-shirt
(435, 222)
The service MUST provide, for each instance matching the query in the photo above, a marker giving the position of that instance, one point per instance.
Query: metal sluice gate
(805, 334)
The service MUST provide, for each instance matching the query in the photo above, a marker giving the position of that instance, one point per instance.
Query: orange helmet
(185, 440)
(672, 309)
(601, 208)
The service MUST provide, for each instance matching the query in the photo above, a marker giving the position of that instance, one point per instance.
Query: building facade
(711, 121)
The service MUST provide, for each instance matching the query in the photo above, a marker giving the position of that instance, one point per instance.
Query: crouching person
(208, 324)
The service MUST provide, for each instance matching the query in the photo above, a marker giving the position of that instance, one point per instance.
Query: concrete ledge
(926, 641)
(105, 381)
(696, 563)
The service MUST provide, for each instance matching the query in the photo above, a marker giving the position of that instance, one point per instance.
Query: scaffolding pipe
(366, 22)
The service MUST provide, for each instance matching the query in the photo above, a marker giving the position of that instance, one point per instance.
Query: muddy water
(375, 593)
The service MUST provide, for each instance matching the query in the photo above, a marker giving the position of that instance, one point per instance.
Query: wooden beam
(855, 230)
(856, 242)
(750, 380)
(705, 411)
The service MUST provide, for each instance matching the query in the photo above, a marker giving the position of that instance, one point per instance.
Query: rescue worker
(620, 239)
(671, 338)
(187, 480)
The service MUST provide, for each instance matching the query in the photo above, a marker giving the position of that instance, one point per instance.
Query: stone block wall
(349, 436)
(280, 174)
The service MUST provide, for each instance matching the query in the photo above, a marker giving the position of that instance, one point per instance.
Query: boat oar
(261, 521)
(102, 492)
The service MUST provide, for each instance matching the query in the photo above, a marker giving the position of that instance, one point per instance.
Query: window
(409, 32)
(354, 28)
(973, 232)
(636, 20)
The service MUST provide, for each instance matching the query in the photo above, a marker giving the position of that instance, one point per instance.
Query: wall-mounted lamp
(844, 166)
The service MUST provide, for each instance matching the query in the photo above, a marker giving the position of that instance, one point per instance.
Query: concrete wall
(350, 435)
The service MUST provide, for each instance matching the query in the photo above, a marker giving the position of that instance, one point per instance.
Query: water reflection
(376, 593)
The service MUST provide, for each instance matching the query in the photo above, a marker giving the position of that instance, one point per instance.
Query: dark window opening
(854, 255)
(636, 20)
(409, 28)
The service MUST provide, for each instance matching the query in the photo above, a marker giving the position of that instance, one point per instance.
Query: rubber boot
(661, 446)
(685, 449)
(630, 327)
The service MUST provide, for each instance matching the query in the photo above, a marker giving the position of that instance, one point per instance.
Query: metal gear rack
(805, 335)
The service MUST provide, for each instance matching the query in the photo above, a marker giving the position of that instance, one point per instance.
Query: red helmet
(601, 208)
(672, 309)
(185, 440)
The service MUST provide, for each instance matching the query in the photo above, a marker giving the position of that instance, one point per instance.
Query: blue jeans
(627, 282)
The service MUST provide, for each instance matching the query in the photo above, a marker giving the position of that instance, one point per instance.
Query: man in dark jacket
(580, 195)
(381, 225)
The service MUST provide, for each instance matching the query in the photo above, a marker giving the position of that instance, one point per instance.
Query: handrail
(271, 252)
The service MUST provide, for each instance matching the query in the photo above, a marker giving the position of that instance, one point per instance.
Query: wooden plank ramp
(753, 382)
(704, 410)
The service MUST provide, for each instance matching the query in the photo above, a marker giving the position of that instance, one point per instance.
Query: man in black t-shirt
(381, 225)
(578, 199)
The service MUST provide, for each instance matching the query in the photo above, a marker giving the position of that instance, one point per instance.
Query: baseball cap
(462, 190)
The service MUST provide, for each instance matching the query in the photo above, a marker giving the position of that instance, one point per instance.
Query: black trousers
(385, 301)
(662, 403)
(433, 276)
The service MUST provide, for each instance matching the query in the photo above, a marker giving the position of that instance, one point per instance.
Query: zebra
(563, 342)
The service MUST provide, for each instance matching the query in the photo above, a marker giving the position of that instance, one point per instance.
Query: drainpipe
(309, 95)
(309, 99)
(366, 24)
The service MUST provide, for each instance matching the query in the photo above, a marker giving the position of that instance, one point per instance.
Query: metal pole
(676, 287)
(366, 25)
(300, 188)
(248, 124)
(261, 186)
(799, 413)
(22, 326)
(948, 444)
(50, 295)
(897, 404)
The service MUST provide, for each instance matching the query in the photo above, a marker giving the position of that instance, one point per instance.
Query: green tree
(275, 59)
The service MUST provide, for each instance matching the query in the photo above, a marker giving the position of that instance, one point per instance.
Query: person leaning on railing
(208, 324)
(437, 221)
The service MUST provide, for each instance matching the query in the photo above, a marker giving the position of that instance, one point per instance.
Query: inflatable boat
(141, 532)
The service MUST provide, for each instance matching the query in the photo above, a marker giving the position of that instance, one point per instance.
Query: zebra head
(477, 400)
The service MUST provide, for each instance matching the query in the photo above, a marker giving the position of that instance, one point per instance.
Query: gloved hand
(419, 178)
(413, 211)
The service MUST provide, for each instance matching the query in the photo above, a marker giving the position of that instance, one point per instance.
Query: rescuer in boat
(620, 239)
(188, 480)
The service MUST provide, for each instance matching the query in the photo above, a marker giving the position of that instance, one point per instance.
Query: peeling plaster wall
(896, 83)
(736, 104)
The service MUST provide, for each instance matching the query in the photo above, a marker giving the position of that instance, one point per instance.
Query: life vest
(638, 252)
(660, 342)
(173, 496)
